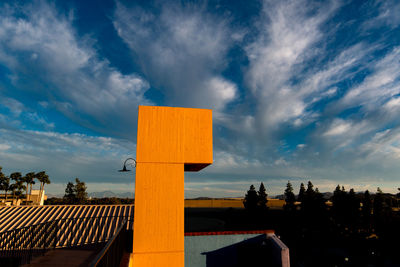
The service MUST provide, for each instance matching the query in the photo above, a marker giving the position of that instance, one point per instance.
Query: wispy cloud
(42, 45)
(66, 156)
(288, 38)
(182, 50)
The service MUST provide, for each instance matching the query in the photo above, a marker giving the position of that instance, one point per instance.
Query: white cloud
(338, 127)
(65, 156)
(4, 147)
(182, 50)
(69, 74)
(13, 105)
(378, 87)
(288, 39)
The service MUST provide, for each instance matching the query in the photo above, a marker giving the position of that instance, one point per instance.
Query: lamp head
(124, 169)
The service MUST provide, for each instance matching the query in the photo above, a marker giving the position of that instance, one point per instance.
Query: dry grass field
(227, 203)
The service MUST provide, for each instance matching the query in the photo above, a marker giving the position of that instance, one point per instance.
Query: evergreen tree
(378, 203)
(318, 201)
(70, 194)
(339, 203)
(251, 199)
(353, 208)
(367, 205)
(308, 198)
(302, 192)
(290, 198)
(262, 197)
(310, 189)
(80, 189)
(76, 193)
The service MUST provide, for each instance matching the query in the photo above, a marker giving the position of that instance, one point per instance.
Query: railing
(112, 253)
(23, 243)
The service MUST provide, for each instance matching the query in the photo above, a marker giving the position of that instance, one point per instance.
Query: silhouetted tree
(378, 203)
(70, 194)
(290, 198)
(251, 199)
(319, 205)
(353, 208)
(310, 189)
(302, 191)
(339, 204)
(262, 197)
(366, 208)
(308, 198)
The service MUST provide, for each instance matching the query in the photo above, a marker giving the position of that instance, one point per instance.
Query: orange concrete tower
(169, 142)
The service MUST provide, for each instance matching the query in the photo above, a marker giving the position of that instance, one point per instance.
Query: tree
(353, 208)
(76, 193)
(302, 191)
(29, 180)
(43, 179)
(290, 198)
(308, 197)
(18, 185)
(310, 189)
(339, 203)
(80, 189)
(367, 205)
(262, 197)
(70, 193)
(251, 199)
(4, 183)
(378, 203)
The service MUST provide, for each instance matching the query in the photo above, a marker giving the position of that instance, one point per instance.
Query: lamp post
(124, 169)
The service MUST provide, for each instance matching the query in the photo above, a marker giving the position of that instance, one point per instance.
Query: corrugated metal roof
(21, 216)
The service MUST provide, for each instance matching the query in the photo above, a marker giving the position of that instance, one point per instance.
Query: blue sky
(300, 90)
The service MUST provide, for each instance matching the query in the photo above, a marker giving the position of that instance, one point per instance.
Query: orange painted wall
(169, 141)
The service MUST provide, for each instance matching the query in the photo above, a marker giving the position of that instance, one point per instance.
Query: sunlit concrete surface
(169, 142)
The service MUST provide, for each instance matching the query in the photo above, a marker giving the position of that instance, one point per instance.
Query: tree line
(346, 208)
(16, 184)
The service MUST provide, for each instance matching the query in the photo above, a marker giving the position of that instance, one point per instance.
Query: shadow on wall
(255, 251)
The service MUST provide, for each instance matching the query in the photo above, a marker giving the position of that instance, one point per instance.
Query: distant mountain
(54, 195)
(104, 194)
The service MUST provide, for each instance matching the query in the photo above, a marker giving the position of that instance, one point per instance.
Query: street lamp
(133, 164)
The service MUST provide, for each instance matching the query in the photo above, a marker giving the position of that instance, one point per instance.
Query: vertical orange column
(169, 142)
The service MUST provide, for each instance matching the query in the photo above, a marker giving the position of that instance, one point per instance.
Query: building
(35, 198)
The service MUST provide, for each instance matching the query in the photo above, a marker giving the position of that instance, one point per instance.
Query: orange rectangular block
(160, 135)
(174, 135)
(169, 259)
(159, 208)
(198, 148)
(169, 142)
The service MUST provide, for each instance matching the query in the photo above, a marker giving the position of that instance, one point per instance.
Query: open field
(227, 203)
